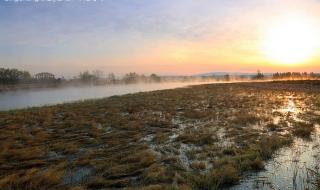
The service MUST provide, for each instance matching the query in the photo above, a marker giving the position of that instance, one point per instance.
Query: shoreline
(289, 85)
(34, 86)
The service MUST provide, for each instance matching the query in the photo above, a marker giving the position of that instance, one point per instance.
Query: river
(38, 97)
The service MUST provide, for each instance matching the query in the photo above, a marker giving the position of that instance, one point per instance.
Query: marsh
(208, 136)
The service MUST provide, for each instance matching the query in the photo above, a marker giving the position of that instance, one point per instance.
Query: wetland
(255, 135)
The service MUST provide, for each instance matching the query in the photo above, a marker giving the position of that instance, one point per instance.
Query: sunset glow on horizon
(183, 37)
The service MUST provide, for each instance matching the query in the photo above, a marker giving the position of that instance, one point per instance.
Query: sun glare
(290, 40)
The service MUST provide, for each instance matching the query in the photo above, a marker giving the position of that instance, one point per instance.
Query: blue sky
(125, 35)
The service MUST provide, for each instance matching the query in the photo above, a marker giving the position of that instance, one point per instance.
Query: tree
(13, 76)
(226, 77)
(259, 75)
(155, 78)
(98, 74)
(111, 78)
(131, 78)
(86, 77)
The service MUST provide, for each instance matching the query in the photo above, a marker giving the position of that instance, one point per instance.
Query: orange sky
(181, 37)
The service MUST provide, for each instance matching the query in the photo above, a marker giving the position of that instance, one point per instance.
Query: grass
(202, 137)
(272, 126)
(198, 165)
(268, 145)
(224, 175)
(34, 178)
(244, 119)
(229, 151)
(195, 137)
(314, 177)
(303, 130)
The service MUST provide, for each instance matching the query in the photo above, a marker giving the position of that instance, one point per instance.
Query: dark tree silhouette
(13, 76)
(259, 75)
(155, 78)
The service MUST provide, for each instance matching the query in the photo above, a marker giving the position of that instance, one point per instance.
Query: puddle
(148, 138)
(74, 177)
(224, 141)
(185, 152)
(53, 156)
(290, 167)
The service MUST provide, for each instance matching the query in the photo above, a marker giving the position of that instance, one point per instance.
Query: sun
(290, 40)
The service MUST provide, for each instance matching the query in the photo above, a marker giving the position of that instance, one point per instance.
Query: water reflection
(290, 110)
(289, 169)
(291, 106)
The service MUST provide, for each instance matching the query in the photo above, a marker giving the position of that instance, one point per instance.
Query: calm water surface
(39, 97)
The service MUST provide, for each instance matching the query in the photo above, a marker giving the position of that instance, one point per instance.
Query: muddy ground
(199, 137)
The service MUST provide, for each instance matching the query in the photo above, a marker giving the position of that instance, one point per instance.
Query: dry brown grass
(268, 145)
(245, 118)
(198, 165)
(196, 138)
(302, 129)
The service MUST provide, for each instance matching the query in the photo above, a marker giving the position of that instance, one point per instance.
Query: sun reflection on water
(289, 168)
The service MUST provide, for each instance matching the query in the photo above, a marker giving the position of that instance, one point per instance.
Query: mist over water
(38, 97)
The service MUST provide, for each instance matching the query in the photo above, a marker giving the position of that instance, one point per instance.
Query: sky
(166, 37)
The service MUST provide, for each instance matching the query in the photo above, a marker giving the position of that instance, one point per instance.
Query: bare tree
(111, 78)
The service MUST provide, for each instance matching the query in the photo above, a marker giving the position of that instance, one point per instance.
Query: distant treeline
(296, 75)
(15, 76)
(132, 77)
(100, 77)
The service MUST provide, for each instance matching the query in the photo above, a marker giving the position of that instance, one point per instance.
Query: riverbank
(199, 137)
